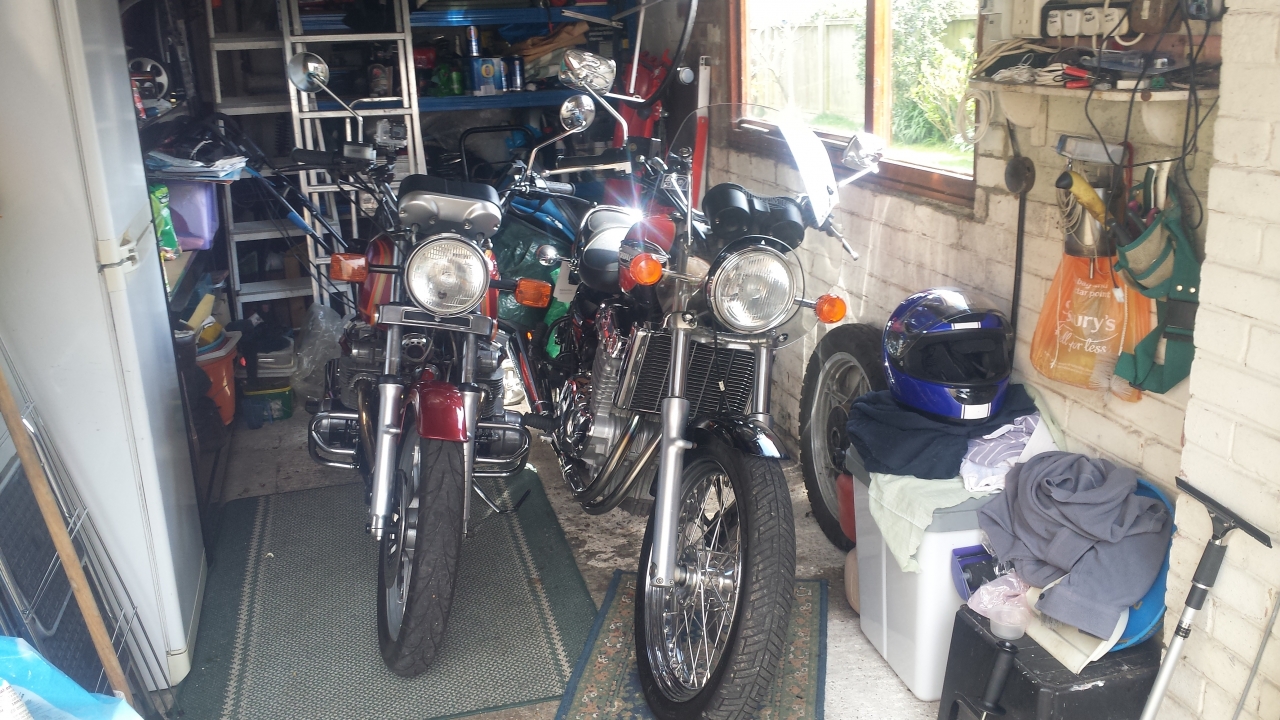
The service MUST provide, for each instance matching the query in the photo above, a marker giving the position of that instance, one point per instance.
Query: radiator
(720, 379)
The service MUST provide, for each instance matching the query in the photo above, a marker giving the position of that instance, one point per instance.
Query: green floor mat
(605, 683)
(289, 629)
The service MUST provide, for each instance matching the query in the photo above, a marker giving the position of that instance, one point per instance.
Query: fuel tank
(596, 249)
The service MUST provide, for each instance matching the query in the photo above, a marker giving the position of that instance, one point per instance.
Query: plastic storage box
(267, 404)
(194, 207)
(908, 616)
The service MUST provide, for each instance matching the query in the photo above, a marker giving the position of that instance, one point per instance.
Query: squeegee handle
(1206, 574)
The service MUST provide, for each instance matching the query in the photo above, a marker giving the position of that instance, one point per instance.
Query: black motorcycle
(659, 396)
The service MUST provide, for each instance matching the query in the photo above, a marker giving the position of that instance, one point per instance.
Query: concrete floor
(860, 685)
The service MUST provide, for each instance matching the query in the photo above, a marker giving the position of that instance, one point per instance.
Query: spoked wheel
(419, 553)
(710, 647)
(845, 365)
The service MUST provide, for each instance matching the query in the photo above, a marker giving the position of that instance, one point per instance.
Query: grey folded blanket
(1067, 514)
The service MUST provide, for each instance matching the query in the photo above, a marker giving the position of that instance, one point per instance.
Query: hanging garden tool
(1019, 177)
(1088, 198)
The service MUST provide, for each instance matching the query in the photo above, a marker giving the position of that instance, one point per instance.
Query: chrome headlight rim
(729, 261)
(455, 239)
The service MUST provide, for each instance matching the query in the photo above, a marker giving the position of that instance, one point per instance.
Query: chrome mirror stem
(359, 118)
(626, 130)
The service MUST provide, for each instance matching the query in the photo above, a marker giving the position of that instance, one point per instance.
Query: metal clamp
(415, 317)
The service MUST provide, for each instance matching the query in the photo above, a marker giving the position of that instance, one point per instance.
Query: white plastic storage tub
(908, 617)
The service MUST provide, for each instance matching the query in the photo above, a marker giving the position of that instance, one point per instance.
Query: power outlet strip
(1086, 22)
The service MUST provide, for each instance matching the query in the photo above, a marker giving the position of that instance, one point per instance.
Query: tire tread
(438, 547)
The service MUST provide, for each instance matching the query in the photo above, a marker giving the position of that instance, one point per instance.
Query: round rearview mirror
(864, 151)
(582, 70)
(548, 256)
(308, 72)
(577, 113)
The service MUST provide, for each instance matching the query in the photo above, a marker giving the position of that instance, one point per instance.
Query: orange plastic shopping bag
(1089, 316)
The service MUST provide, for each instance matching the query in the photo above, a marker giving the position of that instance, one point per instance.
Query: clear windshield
(722, 138)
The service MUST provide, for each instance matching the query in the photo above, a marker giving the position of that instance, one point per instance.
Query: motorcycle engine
(591, 425)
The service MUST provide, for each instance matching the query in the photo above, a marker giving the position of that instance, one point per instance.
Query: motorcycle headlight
(447, 276)
(753, 290)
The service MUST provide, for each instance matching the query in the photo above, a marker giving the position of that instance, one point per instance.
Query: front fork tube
(390, 401)
(471, 394)
(675, 416)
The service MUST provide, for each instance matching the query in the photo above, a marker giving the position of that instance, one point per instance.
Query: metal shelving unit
(299, 31)
(241, 105)
(462, 17)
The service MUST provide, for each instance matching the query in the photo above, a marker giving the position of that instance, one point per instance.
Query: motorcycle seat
(456, 188)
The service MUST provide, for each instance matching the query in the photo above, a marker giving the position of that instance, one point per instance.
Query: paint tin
(513, 75)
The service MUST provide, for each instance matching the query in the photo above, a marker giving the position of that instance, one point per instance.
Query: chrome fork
(675, 415)
(390, 400)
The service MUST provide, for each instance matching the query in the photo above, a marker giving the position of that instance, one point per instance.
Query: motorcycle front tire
(438, 545)
(742, 679)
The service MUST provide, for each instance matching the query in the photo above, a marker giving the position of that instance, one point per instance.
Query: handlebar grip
(560, 188)
(314, 157)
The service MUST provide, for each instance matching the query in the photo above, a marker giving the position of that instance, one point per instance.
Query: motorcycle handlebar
(314, 157)
(560, 188)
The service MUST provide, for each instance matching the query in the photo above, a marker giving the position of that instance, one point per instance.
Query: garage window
(897, 68)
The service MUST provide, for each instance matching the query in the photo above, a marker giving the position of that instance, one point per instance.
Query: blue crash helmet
(948, 353)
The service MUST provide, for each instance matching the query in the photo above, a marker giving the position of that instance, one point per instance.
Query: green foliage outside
(932, 54)
(929, 76)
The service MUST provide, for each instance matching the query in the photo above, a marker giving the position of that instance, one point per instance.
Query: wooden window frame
(898, 175)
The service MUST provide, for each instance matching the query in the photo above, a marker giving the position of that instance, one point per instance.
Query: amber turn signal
(348, 267)
(533, 293)
(830, 309)
(646, 269)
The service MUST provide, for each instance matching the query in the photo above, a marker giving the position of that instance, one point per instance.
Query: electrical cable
(1190, 140)
(1004, 48)
(1257, 661)
(312, 269)
(982, 107)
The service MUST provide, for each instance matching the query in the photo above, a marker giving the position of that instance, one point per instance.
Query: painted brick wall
(908, 244)
(1229, 411)
(1233, 415)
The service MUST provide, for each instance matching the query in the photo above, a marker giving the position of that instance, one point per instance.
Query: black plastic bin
(1041, 688)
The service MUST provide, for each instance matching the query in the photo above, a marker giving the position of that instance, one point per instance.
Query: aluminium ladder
(308, 115)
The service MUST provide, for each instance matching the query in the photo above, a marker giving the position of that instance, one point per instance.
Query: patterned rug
(289, 621)
(606, 684)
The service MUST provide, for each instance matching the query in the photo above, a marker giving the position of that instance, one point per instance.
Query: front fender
(440, 410)
(741, 433)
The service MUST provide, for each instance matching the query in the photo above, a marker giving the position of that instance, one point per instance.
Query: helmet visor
(960, 357)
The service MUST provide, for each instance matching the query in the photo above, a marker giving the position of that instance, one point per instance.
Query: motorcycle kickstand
(494, 506)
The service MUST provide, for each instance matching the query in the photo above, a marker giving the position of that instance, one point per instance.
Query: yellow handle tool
(1089, 200)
